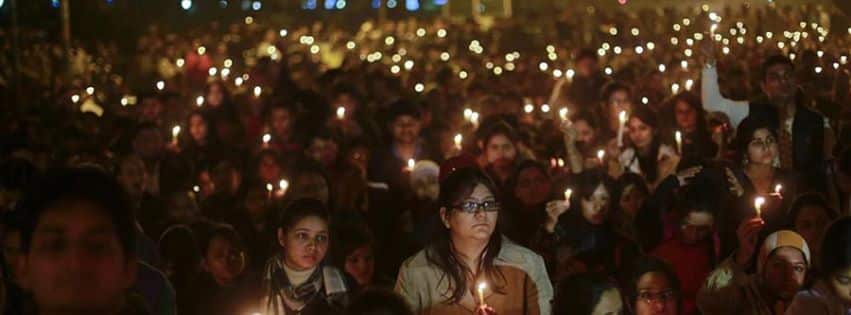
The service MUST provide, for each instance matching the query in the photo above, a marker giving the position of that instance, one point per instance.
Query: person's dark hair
(613, 87)
(647, 264)
(745, 132)
(301, 209)
(219, 230)
(692, 100)
(500, 128)
(587, 117)
(440, 251)
(625, 181)
(773, 61)
(845, 161)
(835, 250)
(586, 54)
(810, 199)
(84, 184)
(379, 302)
(586, 183)
(351, 237)
(178, 246)
(403, 108)
(580, 293)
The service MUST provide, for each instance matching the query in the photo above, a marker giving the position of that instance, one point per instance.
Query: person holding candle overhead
(467, 250)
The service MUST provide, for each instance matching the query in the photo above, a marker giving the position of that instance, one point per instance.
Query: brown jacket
(526, 291)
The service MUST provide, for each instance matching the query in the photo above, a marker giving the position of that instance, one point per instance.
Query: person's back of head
(379, 302)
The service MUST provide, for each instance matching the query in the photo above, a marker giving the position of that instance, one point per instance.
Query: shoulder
(513, 254)
(809, 301)
(418, 262)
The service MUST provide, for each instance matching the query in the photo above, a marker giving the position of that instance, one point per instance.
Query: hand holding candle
(600, 155)
(563, 113)
(777, 190)
(459, 139)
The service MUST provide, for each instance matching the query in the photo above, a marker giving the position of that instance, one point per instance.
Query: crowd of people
(667, 161)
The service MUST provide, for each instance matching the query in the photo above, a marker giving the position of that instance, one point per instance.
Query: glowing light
(283, 32)
(444, 56)
(238, 81)
(662, 68)
(545, 108)
(421, 32)
(180, 62)
(351, 45)
(462, 74)
(419, 87)
(160, 85)
(75, 98)
(199, 100)
(608, 70)
(257, 91)
(186, 4)
(212, 71)
(529, 108)
(563, 113)
(90, 90)
(441, 33)
(651, 46)
(689, 84)
(543, 66)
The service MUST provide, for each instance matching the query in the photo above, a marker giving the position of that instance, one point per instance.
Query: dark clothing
(585, 92)
(808, 157)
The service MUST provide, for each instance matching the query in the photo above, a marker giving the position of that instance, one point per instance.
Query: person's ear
(444, 217)
(282, 237)
(481, 145)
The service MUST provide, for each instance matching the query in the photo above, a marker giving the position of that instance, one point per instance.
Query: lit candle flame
(567, 194)
(563, 113)
(600, 155)
(411, 164)
(458, 141)
(175, 131)
(341, 112)
(269, 187)
(678, 136)
(266, 138)
(758, 203)
(257, 91)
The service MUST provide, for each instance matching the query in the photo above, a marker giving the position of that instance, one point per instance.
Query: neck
(758, 170)
(645, 150)
(406, 150)
(469, 251)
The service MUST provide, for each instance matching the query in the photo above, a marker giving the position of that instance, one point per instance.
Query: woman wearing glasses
(469, 267)
(653, 288)
(297, 281)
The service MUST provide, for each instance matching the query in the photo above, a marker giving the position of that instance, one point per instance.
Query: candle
(196, 188)
(481, 288)
(474, 118)
(777, 190)
(758, 203)
(257, 91)
(175, 131)
(468, 113)
(713, 28)
(160, 85)
(567, 193)
(563, 113)
(341, 112)
(458, 140)
(199, 101)
(678, 136)
(283, 185)
(269, 189)
(560, 162)
(600, 155)
(411, 164)
(622, 121)
(266, 138)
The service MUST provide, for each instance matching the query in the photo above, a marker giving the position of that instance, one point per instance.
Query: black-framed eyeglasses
(663, 296)
(473, 207)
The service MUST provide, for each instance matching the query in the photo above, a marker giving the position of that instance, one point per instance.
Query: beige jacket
(527, 289)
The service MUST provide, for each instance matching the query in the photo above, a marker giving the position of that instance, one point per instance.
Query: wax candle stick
(481, 288)
(758, 203)
(567, 193)
(600, 155)
(678, 136)
(622, 122)
(459, 139)
(411, 164)
(341, 113)
(269, 189)
(175, 131)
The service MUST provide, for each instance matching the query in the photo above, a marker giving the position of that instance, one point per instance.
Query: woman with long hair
(468, 266)
(645, 154)
(297, 279)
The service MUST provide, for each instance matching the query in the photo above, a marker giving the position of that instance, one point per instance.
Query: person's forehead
(653, 280)
(70, 216)
(779, 68)
(788, 254)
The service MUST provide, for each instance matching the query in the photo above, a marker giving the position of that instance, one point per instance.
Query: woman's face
(323, 151)
(619, 101)
(305, 243)
(500, 151)
(631, 200)
(478, 225)
(610, 303)
(198, 128)
(281, 121)
(763, 147)
(133, 176)
(215, 96)
(640, 134)
(595, 209)
(811, 223)
(360, 264)
(533, 187)
(270, 171)
(311, 185)
(840, 283)
(698, 226)
(686, 117)
(223, 260)
(655, 295)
